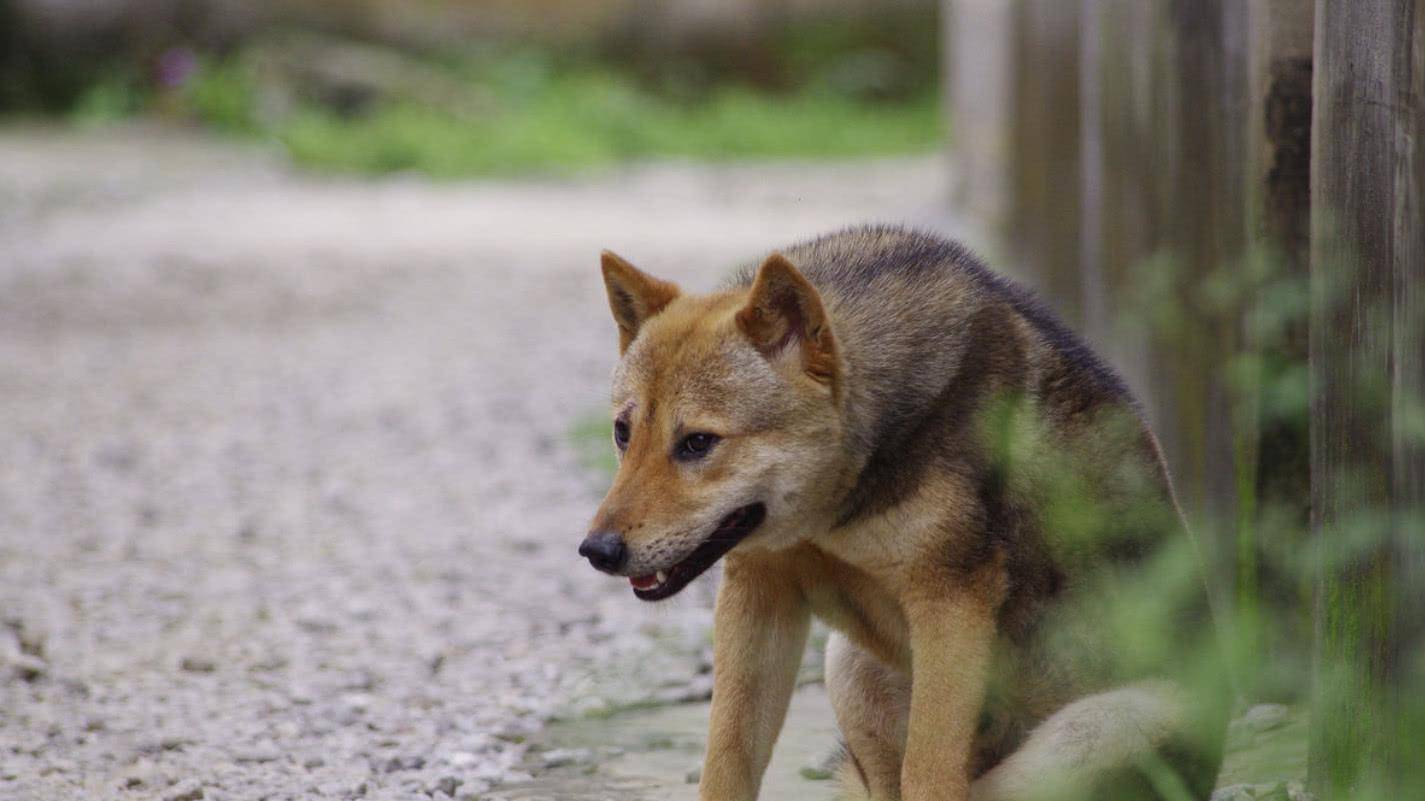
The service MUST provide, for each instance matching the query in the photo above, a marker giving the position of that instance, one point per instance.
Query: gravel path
(288, 507)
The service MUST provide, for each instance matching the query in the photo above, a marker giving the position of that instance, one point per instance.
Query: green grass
(594, 120)
(592, 442)
(527, 112)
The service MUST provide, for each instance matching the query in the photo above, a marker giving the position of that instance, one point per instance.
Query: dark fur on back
(853, 260)
(932, 339)
(931, 334)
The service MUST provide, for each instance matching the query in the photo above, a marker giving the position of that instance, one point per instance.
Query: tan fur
(633, 295)
(758, 674)
(782, 309)
(892, 542)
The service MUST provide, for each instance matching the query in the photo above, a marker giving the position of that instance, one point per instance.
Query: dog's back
(952, 369)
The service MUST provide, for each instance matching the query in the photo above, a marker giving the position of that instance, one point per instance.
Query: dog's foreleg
(951, 637)
(759, 630)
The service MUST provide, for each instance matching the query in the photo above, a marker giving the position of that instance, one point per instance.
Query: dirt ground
(288, 504)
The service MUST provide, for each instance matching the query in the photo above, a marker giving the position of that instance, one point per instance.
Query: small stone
(197, 664)
(258, 754)
(560, 757)
(1236, 792)
(143, 773)
(814, 773)
(1281, 791)
(60, 765)
(1265, 717)
(463, 759)
(311, 763)
(172, 742)
(186, 791)
(693, 776)
(355, 704)
(448, 785)
(693, 691)
(823, 769)
(593, 706)
(27, 666)
(397, 763)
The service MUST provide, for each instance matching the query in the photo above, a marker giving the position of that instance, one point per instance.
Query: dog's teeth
(662, 577)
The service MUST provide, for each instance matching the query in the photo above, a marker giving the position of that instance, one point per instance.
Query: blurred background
(460, 89)
(304, 356)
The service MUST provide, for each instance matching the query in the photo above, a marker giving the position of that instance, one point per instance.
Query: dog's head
(726, 419)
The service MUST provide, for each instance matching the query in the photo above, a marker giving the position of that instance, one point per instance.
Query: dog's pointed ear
(634, 296)
(784, 310)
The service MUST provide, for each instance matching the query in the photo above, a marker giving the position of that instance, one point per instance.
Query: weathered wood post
(1118, 208)
(978, 84)
(1201, 232)
(1127, 153)
(1273, 594)
(1368, 381)
(1044, 223)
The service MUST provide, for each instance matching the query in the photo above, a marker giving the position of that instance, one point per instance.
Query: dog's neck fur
(899, 409)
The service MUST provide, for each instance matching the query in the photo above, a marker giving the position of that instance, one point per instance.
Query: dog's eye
(621, 434)
(696, 446)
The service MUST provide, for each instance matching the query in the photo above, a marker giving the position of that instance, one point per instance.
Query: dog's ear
(634, 296)
(784, 310)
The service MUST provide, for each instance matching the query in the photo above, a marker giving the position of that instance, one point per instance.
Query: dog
(874, 429)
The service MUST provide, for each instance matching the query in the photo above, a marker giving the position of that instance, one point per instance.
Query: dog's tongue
(643, 582)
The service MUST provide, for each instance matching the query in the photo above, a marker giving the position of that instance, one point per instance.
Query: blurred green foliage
(890, 55)
(224, 96)
(591, 437)
(113, 97)
(593, 119)
(831, 90)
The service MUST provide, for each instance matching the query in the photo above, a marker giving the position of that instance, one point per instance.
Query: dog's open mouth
(733, 529)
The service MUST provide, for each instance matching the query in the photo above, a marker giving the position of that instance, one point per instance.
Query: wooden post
(1118, 46)
(1129, 144)
(1044, 217)
(1201, 128)
(1281, 126)
(978, 68)
(1367, 461)
(1093, 177)
(1276, 518)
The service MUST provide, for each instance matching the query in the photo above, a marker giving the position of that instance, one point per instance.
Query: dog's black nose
(604, 550)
